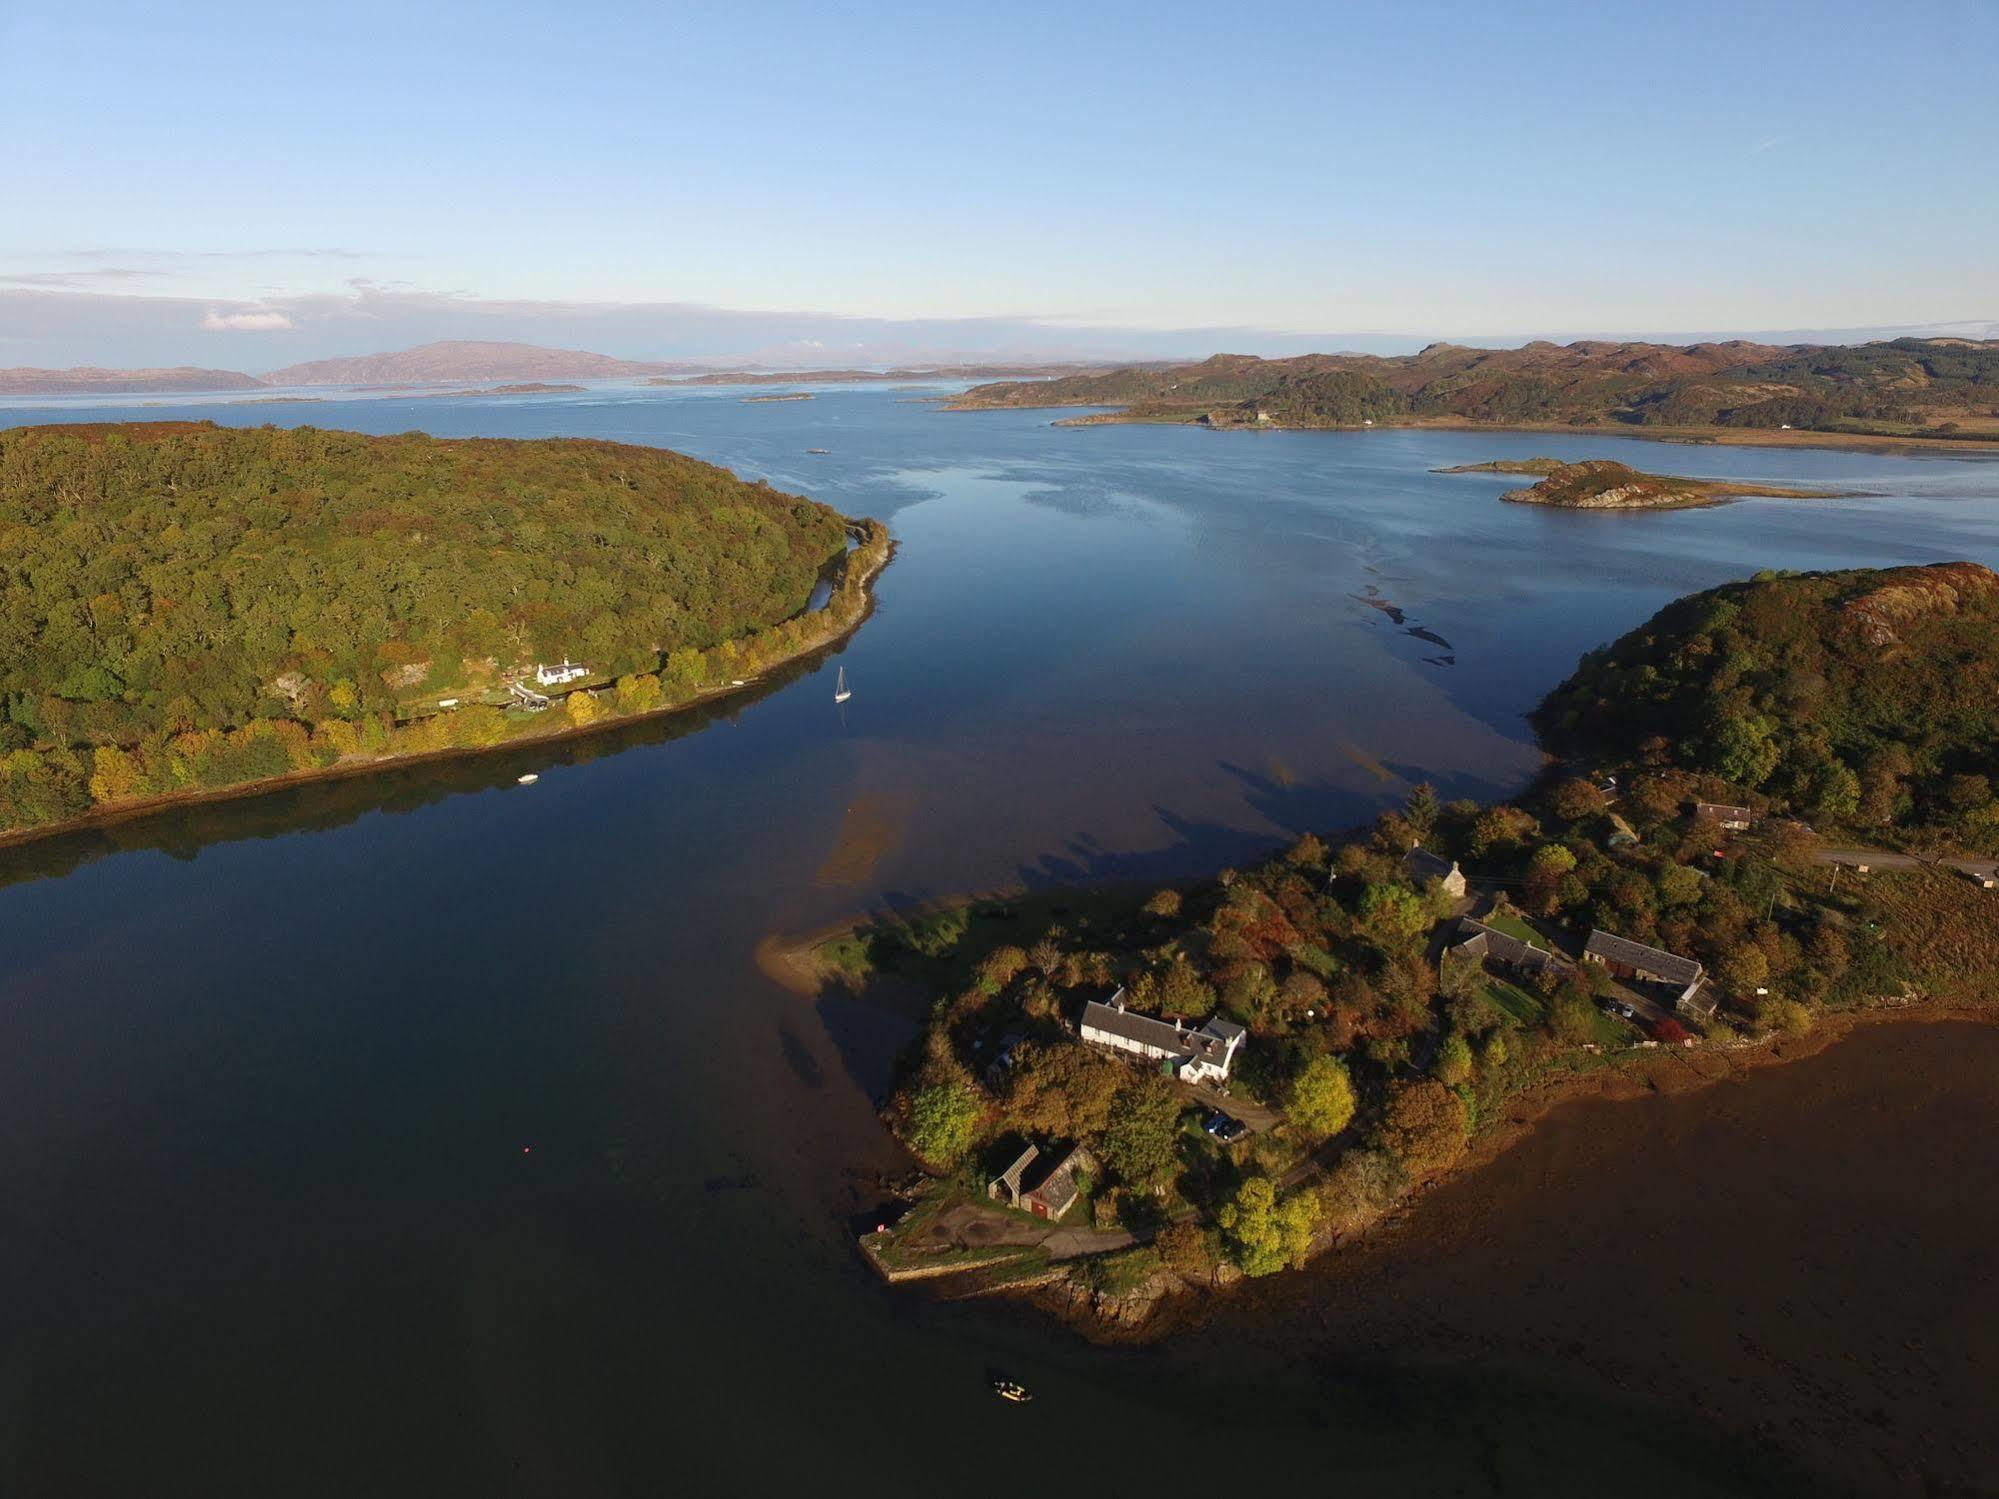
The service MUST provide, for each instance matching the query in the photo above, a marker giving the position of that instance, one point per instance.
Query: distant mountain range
(457, 361)
(88, 380)
(470, 359)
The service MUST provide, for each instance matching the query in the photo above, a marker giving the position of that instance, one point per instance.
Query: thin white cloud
(245, 322)
(268, 254)
(77, 278)
(1766, 144)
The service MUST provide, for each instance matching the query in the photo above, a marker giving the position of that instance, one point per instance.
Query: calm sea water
(427, 1134)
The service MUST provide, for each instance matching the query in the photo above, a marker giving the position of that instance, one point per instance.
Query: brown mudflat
(1807, 1256)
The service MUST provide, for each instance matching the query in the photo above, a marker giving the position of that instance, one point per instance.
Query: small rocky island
(1603, 484)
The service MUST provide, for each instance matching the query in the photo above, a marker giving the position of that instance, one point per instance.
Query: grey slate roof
(1209, 1044)
(1012, 1175)
(1669, 967)
(1723, 812)
(1476, 939)
(1424, 865)
(1057, 1190)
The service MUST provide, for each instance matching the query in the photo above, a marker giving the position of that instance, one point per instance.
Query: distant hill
(457, 360)
(88, 380)
(919, 372)
(1907, 386)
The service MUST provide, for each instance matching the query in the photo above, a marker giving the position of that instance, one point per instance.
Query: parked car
(1224, 1127)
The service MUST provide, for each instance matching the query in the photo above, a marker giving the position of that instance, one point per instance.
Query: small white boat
(529, 779)
(1008, 1389)
(840, 693)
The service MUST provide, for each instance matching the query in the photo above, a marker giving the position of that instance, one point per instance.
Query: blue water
(428, 1134)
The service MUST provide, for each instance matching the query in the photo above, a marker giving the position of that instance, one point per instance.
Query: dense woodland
(1942, 387)
(1866, 699)
(184, 606)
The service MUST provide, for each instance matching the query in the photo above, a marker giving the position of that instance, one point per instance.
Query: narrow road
(1881, 858)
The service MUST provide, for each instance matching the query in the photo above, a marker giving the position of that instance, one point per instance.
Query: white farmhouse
(1195, 1056)
(555, 676)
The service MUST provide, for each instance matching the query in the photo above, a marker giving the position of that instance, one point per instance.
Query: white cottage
(1196, 1056)
(555, 676)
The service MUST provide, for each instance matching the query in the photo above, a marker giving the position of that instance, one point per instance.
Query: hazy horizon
(895, 183)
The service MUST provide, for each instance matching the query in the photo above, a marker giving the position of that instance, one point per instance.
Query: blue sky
(1117, 171)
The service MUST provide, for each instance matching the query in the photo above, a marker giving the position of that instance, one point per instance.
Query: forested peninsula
(1653, 914)
(1922, 389)
(187, 609)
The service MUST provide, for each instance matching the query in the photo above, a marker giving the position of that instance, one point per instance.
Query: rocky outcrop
(1601, 484)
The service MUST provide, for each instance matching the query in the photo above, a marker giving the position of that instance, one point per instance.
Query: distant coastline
(1726, 437)
(1905, 392)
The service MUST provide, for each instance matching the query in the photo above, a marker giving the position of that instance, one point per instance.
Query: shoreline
(1746, 437)
(140, 808)
(1170, 1306)
(1186, 1307)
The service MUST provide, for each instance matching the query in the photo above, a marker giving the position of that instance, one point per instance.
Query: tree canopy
(182, 575)
(202, 605)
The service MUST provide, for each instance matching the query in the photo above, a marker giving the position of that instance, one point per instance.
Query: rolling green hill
(1867, 698)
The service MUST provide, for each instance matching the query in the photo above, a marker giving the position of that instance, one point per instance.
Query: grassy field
(1513, 926)
(1945, 928)
(1522, 1008)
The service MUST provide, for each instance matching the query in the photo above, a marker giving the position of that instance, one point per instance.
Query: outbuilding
(1626, 959)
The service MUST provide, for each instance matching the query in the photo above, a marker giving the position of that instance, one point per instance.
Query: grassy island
(1939, 390)
(1652, 914)
(186, 609)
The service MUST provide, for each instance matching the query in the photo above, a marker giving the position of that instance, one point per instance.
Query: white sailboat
(840, 693)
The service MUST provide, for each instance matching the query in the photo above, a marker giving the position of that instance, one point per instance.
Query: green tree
(943, 1122)
(1678, 885)
(1140, 1143)
(1322, 1097)
(1421, 808)
(1392, 916)
(1264, 1232)
(1454, 1060)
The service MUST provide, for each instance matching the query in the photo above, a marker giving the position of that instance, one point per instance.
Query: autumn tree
(1425, 1125)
